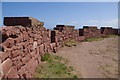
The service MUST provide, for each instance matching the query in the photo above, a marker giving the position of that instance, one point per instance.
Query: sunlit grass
(55, 67)
(108, 36)
(93, 39)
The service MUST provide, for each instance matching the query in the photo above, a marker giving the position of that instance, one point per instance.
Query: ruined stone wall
(108, 31)
(24, 21)
(89, 32)
(64, 34)
(23, 46)
(22, 50)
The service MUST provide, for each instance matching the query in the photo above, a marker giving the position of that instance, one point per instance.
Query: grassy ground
(93, 39)
(70, 43)
(54, 66)
(108, 36)
(74, 43)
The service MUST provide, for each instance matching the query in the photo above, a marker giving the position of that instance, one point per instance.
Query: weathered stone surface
(8, 43)
(90, 31)
(19, 65)
(4, 55)
(26, 58)
(24, 21)
(109, 31)
(25, 36)
(41, 48)
(16, 60)
(38, 50)
(33, 67)
(15, 53)
(81, 38)
(33, 53)
(6, 65)
(39, 59)
(52, 45)
(34, 45)
(22, 71)
(39, 41)
(30, 63)
(12, 73)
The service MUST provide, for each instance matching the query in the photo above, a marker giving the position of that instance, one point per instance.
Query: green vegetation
(108, 36)
(93, 39)
(71, 68)
(114, 59)
(75, 76)
(70, 43)
(54, 67)
(46, 57)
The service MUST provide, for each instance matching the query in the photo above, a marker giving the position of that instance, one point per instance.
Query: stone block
(33, 53)
(39, 41)
(8, 43)
(16, 53)
(34, 45)
(25, 36)
(26, 59)
(4, 55)
(41, 48)
(6, 65)
(22, 71)
(12, 73)
(24, 21)
(33, 67)
(81, 38)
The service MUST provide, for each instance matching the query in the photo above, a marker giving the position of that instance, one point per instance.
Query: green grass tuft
(70, 43)
(108, 36)
(75, 76)
(53, 69)
(58, 58)
(71, 67)
(93, 39)
(46, 57)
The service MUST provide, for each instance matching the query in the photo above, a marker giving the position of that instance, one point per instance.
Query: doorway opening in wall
(52, 36)
(81, 32)
(102, 30)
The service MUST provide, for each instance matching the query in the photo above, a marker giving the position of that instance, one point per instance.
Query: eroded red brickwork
(24, 45)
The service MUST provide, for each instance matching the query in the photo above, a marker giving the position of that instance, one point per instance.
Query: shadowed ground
(97, 59)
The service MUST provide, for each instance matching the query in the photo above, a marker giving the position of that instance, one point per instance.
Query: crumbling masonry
(25, 40)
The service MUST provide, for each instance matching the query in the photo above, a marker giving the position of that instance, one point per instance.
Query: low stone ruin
(23, 21)
(25, 40)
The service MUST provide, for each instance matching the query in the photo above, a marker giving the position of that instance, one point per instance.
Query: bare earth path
(97, 59)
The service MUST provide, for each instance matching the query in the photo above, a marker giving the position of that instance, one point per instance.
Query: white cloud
(113, 22)
(105, 23)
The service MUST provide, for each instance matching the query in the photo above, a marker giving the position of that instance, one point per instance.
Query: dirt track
(94, 59)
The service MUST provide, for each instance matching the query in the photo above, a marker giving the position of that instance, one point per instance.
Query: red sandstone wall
(23, 47)
(109, 31)
(90, 32)
(67, 34)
